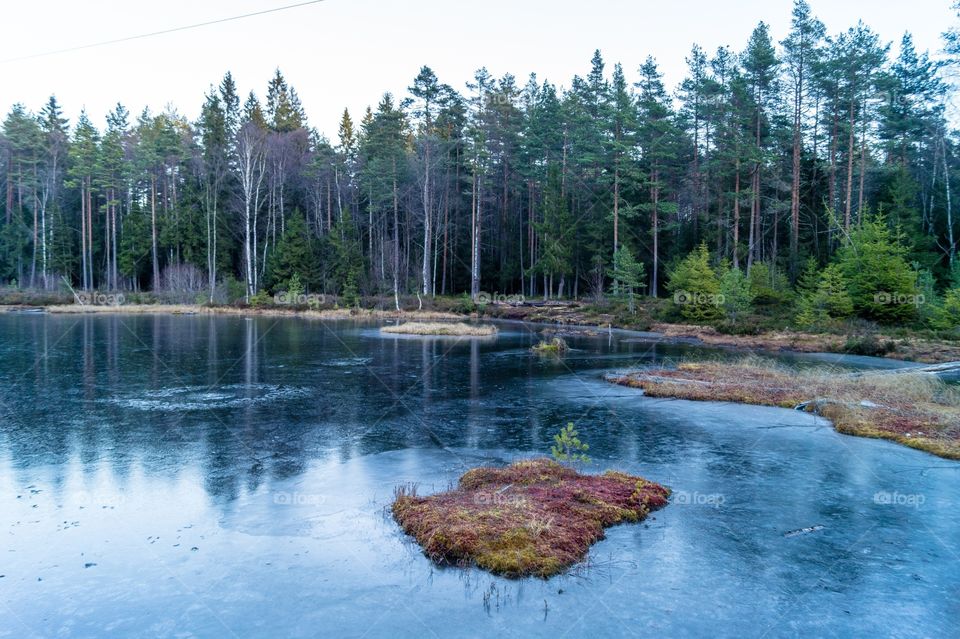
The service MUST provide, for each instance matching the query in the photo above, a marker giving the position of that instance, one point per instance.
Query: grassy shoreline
(912, 409)
(270, 311)
(899, 345)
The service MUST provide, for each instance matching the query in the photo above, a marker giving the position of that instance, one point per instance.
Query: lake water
(178, 476)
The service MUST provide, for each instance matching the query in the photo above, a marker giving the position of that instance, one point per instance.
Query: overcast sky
(346, 53)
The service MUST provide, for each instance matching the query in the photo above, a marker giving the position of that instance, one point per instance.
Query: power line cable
(158, 33)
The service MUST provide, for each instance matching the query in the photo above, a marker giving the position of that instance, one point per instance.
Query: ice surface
(255, 506)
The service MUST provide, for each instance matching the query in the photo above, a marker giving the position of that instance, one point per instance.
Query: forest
(817, 163)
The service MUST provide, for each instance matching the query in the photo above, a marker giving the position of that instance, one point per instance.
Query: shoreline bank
(917, 410)
(559, 318)
(196, 309)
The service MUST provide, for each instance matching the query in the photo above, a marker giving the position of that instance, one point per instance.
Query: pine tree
(216, 142)
(426, 90)
(658, 139)
(555, 257)
(801, 49)
(858, 58)
(622, 144)
(912, 105)
(83, 168)
(114, 177)
(55, 145)
(384, 169)
(696, 93)
(760, 73)
(23, 138)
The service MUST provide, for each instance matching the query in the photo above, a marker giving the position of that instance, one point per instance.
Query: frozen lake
(174, 476)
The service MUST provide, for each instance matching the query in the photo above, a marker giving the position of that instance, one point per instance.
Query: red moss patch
(531, 518)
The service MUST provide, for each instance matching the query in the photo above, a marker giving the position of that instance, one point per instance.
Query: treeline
(773, 155)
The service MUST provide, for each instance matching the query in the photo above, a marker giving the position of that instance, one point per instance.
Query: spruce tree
(628, 276)
(294, 256)
(696, 288)
(736, 293)
(882, 283)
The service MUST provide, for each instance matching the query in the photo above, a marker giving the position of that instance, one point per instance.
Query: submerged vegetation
(532, 518)
(442, 328)
(555, 346)
(915, 409)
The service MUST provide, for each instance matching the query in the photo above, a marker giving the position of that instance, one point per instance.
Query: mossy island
(531, 518)
(451, 329)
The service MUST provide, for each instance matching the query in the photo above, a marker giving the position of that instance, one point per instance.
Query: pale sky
(346, 53)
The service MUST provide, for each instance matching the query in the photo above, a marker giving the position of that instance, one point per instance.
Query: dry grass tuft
(917, 410)
(531, 518)
(555, 346)
(442, 328)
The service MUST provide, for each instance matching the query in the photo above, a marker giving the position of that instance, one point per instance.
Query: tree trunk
(795, 185)
(946, 179)
(83, 233)
(446, 232)
(153, 232)
(834, 141)
(736, 218)
(36, 228)
(616, 204)
(754, 214)
(396, 240)
(426, 223)
(863, 165)
(475, 239)
(655, 197)
(849, 194)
